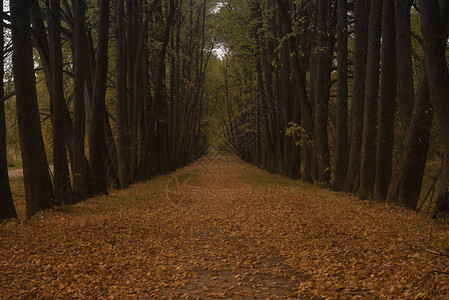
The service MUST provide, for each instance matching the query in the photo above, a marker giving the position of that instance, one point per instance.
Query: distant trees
(370, 124)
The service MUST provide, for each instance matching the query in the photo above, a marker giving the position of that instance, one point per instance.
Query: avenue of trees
(124, 84)
(353, 95)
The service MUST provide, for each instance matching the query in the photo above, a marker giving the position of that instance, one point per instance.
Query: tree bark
(121, 103)
(39, 191)
(442, 205)
(434, 26)
(368, 158)
(405, 185)
(81, 170)
(322, 83)
(97, 148)
(7, 209)
(434, 44)
(387, 105)
(341, 145)
(361, 9)
(62, 185)
(405, 87)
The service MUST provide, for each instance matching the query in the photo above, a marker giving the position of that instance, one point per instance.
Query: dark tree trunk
(361, 9)
(434, 43)
(39, 191)
(387, 106)
(121, 104)
(434, 26)
(7, 209)
(97, 149)
(131, 17)
(404, 62)
(62, 183)
(442, 205)
(368, 158)
(42, 45)
(160, 93)
(81, 170)
(322, 83)
(341, 144)
(405, 185)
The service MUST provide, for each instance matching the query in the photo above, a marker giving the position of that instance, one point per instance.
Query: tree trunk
(42, 45)
(405, 86)
(322, 83)
(39, 191)
(81, 169)
(301, 92)
(434, 43)
(62, 183)
(131, 9)
(7, 209)
(368, 158)
(121, 104)
(434, 26)
(405, 185)
(442, 205)
(97, 148)
(341, 144)
(361, 9)
(387, 107)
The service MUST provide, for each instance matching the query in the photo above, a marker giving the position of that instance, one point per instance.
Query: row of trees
(349, 90)
(126, 104)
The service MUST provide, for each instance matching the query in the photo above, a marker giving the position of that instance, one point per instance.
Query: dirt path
(221, 228)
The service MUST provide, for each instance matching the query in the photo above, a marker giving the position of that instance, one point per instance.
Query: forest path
(221, 228)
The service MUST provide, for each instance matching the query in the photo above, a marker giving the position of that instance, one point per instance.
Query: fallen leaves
(242, 233)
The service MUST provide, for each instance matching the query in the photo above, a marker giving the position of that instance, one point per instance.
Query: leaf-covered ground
(221, 228)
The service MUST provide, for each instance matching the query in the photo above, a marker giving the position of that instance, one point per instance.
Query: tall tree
(81, 170)
(368, 158)
(39, 191)
(341, 147)
(405, 185)
(62, 183)
(361, 9)
(97, 145)
(322, 84)
(301, 92)
(121, 104)
(434, 27)
(405, 86)
(7, 209)
(387, 105)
